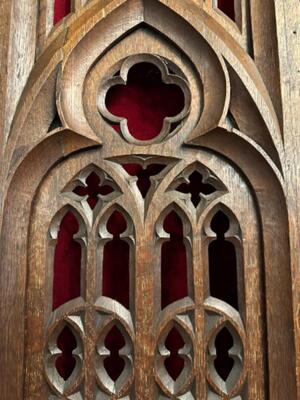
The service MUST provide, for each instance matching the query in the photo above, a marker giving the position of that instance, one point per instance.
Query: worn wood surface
(238, 129)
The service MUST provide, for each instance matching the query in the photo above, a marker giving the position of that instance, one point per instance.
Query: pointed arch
(67, 258)
(225, 261)
(175, 275)
(273, 215)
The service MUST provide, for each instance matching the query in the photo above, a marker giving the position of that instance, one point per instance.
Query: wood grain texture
(238, 130)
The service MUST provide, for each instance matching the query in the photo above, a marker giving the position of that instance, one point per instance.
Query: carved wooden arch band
(156, 172)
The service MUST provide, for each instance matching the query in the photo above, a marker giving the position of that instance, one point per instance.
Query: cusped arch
(267, 187)
(32, 161)
(179, 210)
(58, 217)
(234, 228)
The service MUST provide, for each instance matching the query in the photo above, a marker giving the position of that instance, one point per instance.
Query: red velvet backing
(61, 9)
(145, 103)
(227, 6)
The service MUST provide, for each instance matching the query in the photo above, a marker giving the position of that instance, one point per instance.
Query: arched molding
(31, 152)
(269, 194)
(76, 30)
(16, 217)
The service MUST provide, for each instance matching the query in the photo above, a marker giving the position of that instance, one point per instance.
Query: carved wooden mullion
(145, 304)
(45, 23)
(199, 289)
(220, 315)
(251, 311)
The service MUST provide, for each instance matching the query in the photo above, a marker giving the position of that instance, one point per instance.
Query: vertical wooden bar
(20, 55)
(144, 297)
(45, 22)
(265, 48)
(288, 31)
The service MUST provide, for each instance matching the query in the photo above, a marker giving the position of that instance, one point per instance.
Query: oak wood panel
(231, 125)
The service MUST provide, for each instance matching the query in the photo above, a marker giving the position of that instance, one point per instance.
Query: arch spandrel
(233, 54)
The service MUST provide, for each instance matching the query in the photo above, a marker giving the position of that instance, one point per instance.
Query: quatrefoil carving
(197, 186)
(171, 124)
(92, 188)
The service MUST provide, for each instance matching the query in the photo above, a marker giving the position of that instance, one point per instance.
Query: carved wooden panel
(197, 200)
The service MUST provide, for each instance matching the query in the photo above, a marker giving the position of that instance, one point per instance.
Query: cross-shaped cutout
(196, 187)
(143, 175)
(93, 189)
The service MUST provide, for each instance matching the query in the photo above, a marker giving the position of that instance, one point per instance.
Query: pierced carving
(115, 336)
(64, 356)
(202, 53)
(145, 175)
(225, 348)
(117, 256)
(225, 359)
(68, 241)
(114, 361)
(175, 333)
(225, 257)
(92, 188)
(197, 186)
(174, 361)
(171, 124)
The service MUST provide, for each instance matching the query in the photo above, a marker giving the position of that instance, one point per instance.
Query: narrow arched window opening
(223, 279)
(67, 262)
(116, 261)
(174, 263)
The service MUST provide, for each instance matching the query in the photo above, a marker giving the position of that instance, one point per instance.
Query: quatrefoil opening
(92, 188)
(147, 71)
(197, 186)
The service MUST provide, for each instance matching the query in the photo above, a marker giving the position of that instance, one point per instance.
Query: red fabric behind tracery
(178, 289)
(166, 105)
(67, 262)
(61, 9)
(145, 101)
(227, 6)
